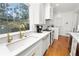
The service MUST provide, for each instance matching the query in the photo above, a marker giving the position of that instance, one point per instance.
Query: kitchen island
(75, 40)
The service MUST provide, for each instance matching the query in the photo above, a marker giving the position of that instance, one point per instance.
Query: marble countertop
(75, 35)
(4, 51)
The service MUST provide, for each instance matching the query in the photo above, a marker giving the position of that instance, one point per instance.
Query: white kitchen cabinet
(37, 49)
(37, 12)
(73, 47)
(48, 11)
(55, 32)
(48, 40)
(34, 50)
(45, 43)
(42, 14)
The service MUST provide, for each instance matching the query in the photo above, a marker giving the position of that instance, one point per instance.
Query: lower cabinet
(73, 47)
(34, 50)
(45, 43)
(37, 49)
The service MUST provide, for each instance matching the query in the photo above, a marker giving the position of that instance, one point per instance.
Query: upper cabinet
(48, 11)
(37, 12)
(42, 13)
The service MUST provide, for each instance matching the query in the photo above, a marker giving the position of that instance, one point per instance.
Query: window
(13, 16)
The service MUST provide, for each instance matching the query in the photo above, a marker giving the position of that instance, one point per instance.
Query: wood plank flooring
(60, 47)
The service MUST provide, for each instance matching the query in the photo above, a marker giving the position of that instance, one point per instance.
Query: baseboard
(65, 35)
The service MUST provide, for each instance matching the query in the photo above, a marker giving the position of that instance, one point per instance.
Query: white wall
(65, 21)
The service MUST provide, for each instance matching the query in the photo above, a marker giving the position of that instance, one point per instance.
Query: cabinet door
(37, 12)
(56, 33)
(74, 46)
(42, 14)
(48, 11)
(45, 43)
(37, 50)
(43, 46)
(48, 40)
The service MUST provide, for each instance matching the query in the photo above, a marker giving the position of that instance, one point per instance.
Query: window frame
(17, 32)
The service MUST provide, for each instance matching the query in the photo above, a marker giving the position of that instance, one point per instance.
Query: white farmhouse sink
(19, 43)
(15, 45)
(29, 38)
(35, 35)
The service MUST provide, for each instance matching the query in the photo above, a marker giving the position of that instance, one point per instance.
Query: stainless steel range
(51, 36)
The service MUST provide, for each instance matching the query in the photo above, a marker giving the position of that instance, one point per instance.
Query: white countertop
(75, 35)
(4, 51)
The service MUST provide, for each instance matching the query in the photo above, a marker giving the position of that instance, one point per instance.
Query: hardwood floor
(60, 47)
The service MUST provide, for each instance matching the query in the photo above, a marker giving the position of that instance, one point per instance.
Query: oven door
(51, 37)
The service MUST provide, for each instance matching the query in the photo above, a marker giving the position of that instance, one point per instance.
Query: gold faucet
(22, 26)
(10, 38)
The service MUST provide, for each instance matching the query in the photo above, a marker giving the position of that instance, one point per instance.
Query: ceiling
(64, 7)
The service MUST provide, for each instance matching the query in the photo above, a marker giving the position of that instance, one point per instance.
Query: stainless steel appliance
(39, 28)
(51, 36)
